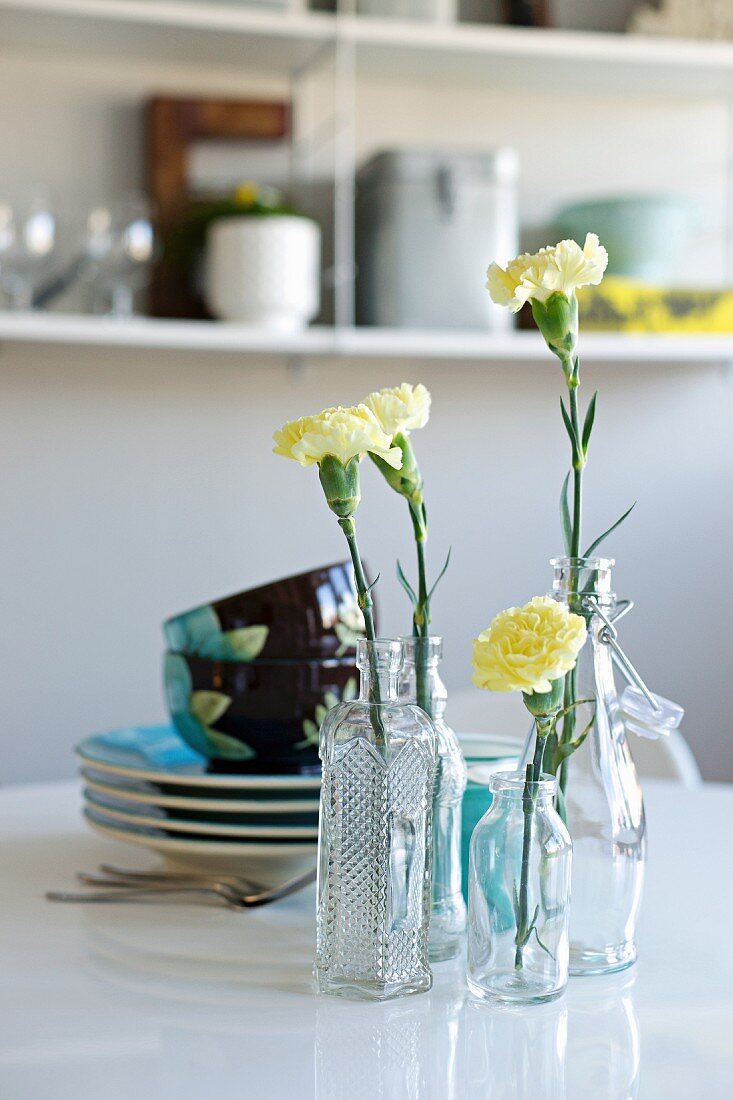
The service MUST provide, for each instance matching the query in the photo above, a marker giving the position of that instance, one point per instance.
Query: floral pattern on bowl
(200, 632)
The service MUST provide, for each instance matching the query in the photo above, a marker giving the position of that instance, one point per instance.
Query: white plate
(268, 864)
(215, 805)
(481, 771)
(157, 754)
(139, 818)
(484, 747)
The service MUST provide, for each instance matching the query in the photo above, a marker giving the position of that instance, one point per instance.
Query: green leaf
(575, 442)
(542, 945)
(567, 748)
(440, 576)
(312, 734)
(594, 545)
(350, 690)
(208, 706)
(406, 585)
(515, 903)
(573, 706)
(247, 642)
(192, 732)
(548, 760)
(178, 683)
(192, 631)
(229, 748)
(374, 583)
(567, 527)
(588, 424)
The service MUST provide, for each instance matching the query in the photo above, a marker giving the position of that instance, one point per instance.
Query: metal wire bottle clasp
(608, 635)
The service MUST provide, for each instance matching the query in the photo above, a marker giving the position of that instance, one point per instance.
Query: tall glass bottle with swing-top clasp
(599, 794)
(379, 758)
(448, 909)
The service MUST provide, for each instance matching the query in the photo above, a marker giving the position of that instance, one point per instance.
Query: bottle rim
(386, 653)
(433, 645)
(513, 783)
(583, 563)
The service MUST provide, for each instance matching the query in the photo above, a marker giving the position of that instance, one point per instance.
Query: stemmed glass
(27, 244)
(120, 247)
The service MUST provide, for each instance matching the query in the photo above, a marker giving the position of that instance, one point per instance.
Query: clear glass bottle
(379, 759)
(513, 835)
(447, 908)
(599, 795)
(518, 875)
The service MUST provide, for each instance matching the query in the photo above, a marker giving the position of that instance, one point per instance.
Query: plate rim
(226, 780)
(186, 802)
(201, 847)
(245, 832)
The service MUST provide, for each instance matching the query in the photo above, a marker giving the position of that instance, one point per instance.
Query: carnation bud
(340, 484)
(407, 481)
(557, 320)
(542, 704)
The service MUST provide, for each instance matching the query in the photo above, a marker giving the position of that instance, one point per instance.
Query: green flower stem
(366, 604)
(578, 462)
(421, 613)
(567, 735)
(544, 726)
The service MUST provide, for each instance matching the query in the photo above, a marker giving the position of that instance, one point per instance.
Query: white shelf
(167, 30)
(201, 32)
(551, 59)
(352, 343)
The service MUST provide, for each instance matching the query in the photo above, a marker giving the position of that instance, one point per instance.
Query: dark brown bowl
(258, 717)
(312, 615)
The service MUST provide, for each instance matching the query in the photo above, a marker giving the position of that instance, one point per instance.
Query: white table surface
(184, 1001)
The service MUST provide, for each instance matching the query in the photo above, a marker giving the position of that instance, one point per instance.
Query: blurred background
(217, 217)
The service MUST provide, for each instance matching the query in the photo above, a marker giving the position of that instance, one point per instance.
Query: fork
(243, 885)
(123, 892)
(221, 891)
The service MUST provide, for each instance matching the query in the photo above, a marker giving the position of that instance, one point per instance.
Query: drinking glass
(120, 247)
(27, 243)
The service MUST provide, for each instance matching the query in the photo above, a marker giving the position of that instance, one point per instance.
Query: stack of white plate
(145, 786)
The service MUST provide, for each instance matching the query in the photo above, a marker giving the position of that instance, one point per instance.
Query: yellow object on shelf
(624, 305)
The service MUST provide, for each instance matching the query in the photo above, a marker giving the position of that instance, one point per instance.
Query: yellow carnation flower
(400, 409)
(526, 648)
(563, 267)
(343, 433)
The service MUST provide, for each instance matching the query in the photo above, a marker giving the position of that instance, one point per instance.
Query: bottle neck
(508, 790)
(387, 681)
(379, 664)
(576, 581)
(426, 653)
(514, 800)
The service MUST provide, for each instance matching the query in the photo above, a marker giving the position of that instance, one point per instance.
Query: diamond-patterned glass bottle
(448, 909)
(379, 758)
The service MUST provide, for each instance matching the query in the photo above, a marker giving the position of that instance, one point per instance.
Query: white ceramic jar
(264, 270)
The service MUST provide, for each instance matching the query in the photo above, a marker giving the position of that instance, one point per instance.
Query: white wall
(134, 487)
(137, 484)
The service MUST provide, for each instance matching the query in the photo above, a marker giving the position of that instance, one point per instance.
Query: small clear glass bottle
(379, 759)
(447, 908)
(514, 834)
(600, 797)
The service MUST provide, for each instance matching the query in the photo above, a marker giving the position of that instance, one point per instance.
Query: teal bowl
(484, 756)
(643, 234)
